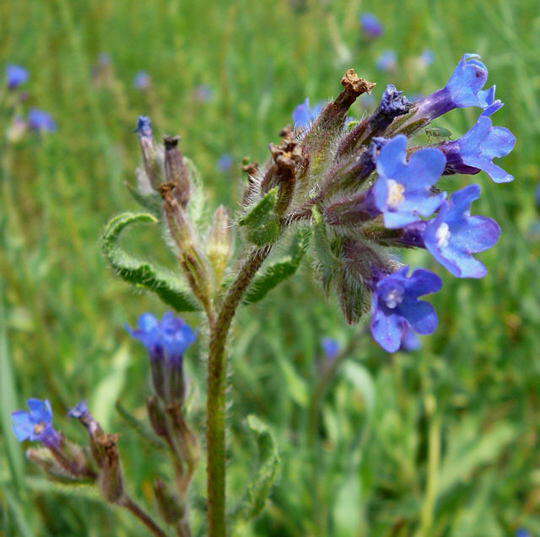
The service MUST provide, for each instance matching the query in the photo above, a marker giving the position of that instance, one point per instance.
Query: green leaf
(109, 388)
(139, 272)
(8, 402)
(151, 202)
(259, 489)
(327, 261)
(279, 271)
(261, 222)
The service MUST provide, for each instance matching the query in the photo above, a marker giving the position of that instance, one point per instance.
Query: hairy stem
(145, 518)
(217, 370)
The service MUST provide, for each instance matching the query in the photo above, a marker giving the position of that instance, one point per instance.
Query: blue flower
(36, 425)
(454, 235)
(304, 115)
(403, 190)
(427, 57)
(204, 93)
(225, 162)
(476, 150)
(489, 103)
(396, 308)
(16, 76)
(167, 339)
(80, 410)
(464, 89)
(522, 532)
(371, 25)
(331, 347)
(387, 61)
(142, 80)
(41, 121)
(144, 127)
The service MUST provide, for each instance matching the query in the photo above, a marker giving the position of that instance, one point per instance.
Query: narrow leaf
(259, 489)
(261, 222)
(139, 427)
(141, 273)
(279, 271)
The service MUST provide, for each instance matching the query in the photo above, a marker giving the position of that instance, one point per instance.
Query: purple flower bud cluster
(381, 191)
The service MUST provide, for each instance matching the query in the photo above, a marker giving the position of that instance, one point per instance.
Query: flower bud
(44, 458)
(150, 153)
(176, 170)
(219, 247)
(170, 506)
(111, 480)
(157, 416)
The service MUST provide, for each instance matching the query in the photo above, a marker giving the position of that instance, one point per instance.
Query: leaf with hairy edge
(279, 271)
(259, 489)
(141, 273)
(328, 263)
(151, 202)
(261, 222)
(140, 428)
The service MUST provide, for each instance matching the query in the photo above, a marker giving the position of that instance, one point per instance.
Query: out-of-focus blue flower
(464, 89)
(387, 61)
(522, 532)
(409, 341)
(427, 57)
(225, 162)
(367, 101)
(80, 410)
(41, 121)
(403, 190)
(144, 127)
(167, 339)
(204, 93)
(36, 424)
(396, 308)
(16, 75)
(371, 25)
(304, 114)
(142, 80)
(331, 347)
(454, 235)
(476, 150)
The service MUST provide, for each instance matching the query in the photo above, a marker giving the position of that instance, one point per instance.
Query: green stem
(216, 397)
(144, 517)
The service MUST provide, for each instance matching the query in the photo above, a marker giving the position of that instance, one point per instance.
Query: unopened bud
(219, 247)
(111, 479)
(157, 416)
(177, 219)
(45, 459)
(176, 170)
(151, 157)
(170, 506)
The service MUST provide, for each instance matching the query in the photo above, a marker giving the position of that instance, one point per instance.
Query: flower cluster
(37, 120)
(380, 191)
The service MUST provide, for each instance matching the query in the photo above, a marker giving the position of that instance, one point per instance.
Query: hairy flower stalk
(352, 197)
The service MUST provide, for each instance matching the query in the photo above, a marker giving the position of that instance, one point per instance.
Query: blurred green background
(442, 442)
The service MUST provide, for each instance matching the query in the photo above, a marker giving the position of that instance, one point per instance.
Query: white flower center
(443, 235)
(395, 193)
(394, 298)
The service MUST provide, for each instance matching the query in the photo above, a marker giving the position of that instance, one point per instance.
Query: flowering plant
(348, 194)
